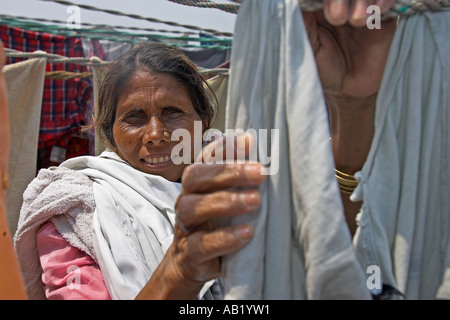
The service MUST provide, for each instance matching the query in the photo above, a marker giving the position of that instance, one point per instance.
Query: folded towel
(64, 196)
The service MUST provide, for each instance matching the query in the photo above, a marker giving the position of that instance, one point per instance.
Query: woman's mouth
(157, 160)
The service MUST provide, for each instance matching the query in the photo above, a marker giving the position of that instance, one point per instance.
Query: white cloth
(133, 221)
(219, 85)
(25, 87)
(122, 217)
(405, 182)
(302, 248)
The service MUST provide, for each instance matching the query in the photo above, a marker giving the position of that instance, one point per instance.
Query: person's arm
(11, 282)
(68, 272)
(209, 191)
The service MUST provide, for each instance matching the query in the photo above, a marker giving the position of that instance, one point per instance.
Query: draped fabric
(302, 248)
(25, 83)
(63, 102)
(404, 226)
(133, 221)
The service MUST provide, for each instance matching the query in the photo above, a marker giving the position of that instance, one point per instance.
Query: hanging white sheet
(302, 248)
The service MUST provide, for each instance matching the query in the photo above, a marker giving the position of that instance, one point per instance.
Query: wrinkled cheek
(127, 143)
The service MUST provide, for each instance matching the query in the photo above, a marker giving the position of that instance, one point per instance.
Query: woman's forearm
(167, 283)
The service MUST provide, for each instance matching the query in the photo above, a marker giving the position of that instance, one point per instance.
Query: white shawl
(133, 220)
(128, 219)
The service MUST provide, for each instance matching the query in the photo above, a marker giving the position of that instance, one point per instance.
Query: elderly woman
(105, 227)
(131, 223)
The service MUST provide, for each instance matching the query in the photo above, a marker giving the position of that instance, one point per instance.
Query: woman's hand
(209, 191)
(350, 57)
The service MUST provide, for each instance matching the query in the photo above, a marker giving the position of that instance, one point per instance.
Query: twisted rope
(55, 58)
(408, 7)
(400, 8)
(227, 7)
(138, 17)
(64, 22)
(94, 61)
(65, 75)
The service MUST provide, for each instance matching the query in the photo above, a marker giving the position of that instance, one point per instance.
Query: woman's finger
(358, 12)
(202, 246)
(232, 148)
(336, 11)
(204, 178)
(384, 5)
(195, 209)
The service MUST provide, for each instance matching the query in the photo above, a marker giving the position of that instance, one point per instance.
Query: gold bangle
(347, 182)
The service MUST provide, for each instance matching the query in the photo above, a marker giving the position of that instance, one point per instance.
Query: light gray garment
(405, 182)
(302, 248)
(133, 221)
(122, 217)
(25, 87)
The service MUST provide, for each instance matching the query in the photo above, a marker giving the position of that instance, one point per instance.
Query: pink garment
(68, 272)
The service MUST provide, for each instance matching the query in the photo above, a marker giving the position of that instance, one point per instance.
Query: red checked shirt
(64, 101)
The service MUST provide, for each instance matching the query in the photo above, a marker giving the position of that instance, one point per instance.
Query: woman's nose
(154, 131)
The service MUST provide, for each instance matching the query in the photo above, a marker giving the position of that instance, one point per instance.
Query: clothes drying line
(227, 7)
(99, 26)
(139, 17)
(94, 61)
(108, 33)
(400, 8)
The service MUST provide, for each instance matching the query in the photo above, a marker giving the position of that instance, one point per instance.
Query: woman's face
(149, 105)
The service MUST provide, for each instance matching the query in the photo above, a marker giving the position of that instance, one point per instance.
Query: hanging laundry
(64, 101)
(404, 184)
(106, 50)
(207, 58)
(302, 248)
(219, 84)
(25, 84)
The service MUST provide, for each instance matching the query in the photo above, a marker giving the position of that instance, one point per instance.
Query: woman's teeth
(157, 160)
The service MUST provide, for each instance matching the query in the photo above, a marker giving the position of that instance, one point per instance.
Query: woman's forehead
(145, 84)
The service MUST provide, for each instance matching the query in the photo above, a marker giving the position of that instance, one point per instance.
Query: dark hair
(153, 57)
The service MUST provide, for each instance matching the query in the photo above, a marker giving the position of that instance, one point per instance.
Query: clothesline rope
(138, 17)
(121, 36)
(54, 58)
(227, 7)
(401, 7)
(184, 32)
(94, 61)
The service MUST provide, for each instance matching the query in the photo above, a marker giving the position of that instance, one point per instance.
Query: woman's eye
(134, 116)
(173, 111)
